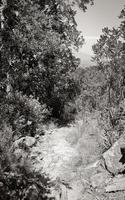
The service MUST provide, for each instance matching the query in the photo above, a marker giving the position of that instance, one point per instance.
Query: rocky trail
(71, 158)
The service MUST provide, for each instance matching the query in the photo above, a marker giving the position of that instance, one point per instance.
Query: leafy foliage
(37, 42)
(15, 186)
(103, 85)
(36, 79)
(109, 55)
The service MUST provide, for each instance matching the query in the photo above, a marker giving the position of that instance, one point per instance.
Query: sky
(104, 13)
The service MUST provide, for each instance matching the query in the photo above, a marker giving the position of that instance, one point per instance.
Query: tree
(37, 42)
(109, 55)
(109, 52)
(122, 25)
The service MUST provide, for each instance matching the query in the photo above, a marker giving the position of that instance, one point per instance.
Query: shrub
(23, 114)
(112, 122)
(15, 186)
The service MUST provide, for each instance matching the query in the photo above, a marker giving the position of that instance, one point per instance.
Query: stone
(100, 179)
(113, 155)
(90, 196)
(92, 170)
(77, 189)
(58, 156)
(27, 141)
(116, 184)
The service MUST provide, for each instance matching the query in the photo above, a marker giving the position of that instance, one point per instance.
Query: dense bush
(17, 186)
(23, 114)
(36, 53)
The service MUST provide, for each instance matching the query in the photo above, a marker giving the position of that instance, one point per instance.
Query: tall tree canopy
(110, 56)
(38, 37)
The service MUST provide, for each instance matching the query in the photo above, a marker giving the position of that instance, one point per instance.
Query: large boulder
(95, 175)
(26, 141)
(116, 184)
(99, 180)
(113, 156)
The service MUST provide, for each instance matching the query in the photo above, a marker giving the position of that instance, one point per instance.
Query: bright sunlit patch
(91, 37)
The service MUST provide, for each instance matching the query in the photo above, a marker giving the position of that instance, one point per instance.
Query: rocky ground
(72, 158)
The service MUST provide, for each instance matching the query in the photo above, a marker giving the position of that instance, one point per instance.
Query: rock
(92, 170)
(113, 156)
(77, 189)
(64, 193)
(90, 196)
(24, 141)
(116, 184)
(100, 179)
(58, 156)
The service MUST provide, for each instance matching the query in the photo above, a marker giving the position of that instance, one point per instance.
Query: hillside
(62, 119)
